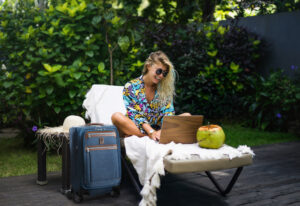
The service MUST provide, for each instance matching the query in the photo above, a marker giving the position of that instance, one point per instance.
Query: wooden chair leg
(231, 183)
(42, 170)
(65, 188)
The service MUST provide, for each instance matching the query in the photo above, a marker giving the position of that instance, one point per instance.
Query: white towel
(147, 157)
(102, 101)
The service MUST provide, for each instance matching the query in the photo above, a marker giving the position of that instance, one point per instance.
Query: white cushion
(102, 101)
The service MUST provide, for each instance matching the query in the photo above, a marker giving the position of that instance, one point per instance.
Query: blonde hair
(166, 88)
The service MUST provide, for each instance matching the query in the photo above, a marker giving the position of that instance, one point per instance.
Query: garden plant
(51, 56)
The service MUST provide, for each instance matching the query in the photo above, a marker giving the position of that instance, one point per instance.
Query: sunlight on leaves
(101, 67)
(212, 53)
(234, 67)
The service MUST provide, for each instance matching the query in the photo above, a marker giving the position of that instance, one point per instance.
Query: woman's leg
(125, 125)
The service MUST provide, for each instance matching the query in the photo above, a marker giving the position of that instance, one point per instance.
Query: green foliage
(233, 8)
(51, 58)
(270, 6)
(172, 11)
(274, 103)
(48, 57)
(212, 62)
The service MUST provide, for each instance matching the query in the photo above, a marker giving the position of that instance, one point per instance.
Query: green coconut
(210, 136)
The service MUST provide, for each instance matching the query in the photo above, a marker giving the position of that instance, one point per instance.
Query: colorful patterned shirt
(138, 108)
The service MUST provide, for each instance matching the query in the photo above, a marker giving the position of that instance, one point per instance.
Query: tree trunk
(208, 10)
(110, 52)
(111, 67)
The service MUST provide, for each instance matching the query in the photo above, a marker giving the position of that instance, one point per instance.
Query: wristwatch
(151, 131)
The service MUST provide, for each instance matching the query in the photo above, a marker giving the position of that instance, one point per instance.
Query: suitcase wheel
(115, 192)
(77, 197)
(69, 195)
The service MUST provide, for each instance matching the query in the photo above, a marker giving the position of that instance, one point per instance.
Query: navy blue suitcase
(95, 156)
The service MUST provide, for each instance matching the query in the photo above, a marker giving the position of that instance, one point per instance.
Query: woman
(148, 98)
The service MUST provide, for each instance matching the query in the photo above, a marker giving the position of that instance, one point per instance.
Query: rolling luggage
(95, 158)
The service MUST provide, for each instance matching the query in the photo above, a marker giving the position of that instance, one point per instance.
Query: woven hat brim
(52, 130)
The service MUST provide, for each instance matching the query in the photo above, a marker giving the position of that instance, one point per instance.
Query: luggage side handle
(96, 124)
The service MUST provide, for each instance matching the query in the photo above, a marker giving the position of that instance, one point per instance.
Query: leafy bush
(274, 103)
(51, 58)
(212, 62)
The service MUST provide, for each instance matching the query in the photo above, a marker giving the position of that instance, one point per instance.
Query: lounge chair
(103, 100)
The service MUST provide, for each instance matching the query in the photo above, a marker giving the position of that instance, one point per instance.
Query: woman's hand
(155, 135)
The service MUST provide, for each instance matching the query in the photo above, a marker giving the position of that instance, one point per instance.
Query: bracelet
(151, 131)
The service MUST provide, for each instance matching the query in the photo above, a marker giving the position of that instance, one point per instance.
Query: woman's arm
(167, 110)
(153, 134)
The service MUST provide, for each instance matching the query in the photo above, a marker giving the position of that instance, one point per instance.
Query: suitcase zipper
(108, 147)
(102, 134)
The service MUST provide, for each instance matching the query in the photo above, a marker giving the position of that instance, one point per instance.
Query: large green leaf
(49, 103)
(52, 69)
(57, 109)
(72, 93)
(101, 67)
(59, 80)
(124, 43)
(212, 53)
(7, 84)
(108, 15)
(42, 73)
(77, 75)
(89, 53)
(115, 20)
(96, 20)
(49, 89)
(234, 67)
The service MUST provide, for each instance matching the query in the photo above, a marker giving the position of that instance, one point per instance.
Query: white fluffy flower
(3, 67)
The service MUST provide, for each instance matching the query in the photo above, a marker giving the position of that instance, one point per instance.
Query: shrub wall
(51, 58)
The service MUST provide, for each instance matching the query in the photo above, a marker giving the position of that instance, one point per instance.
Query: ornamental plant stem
(110, 51)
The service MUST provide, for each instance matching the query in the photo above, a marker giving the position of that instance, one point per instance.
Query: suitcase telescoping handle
(94, 124)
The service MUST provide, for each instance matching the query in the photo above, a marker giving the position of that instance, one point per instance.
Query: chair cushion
(199, 165)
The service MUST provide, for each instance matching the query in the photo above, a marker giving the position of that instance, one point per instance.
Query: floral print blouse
(138, 108)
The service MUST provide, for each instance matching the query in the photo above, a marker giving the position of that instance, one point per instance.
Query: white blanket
(102, 101)
(147, 156)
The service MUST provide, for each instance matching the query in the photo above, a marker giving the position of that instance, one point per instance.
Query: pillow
(102, 101)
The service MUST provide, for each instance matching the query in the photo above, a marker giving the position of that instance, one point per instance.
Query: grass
(237, 135)
(16, 160)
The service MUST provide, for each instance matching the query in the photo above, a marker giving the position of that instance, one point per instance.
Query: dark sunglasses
(160, 70)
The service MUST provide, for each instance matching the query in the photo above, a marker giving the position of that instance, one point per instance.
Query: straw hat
(70, 121)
